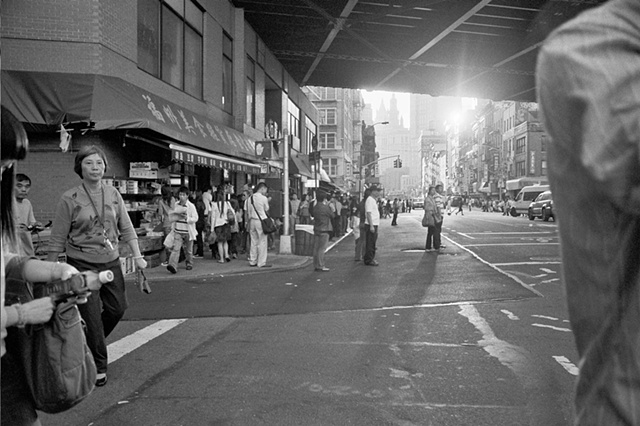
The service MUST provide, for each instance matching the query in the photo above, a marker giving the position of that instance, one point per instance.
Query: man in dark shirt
(322, 216)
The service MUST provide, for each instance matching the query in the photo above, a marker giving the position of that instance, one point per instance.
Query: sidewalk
(208, 267)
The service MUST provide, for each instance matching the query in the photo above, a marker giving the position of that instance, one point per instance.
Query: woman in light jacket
(220, 225)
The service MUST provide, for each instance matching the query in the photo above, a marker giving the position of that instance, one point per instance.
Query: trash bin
(304, 240)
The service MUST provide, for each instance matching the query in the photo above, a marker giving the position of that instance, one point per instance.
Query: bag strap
(254, 207)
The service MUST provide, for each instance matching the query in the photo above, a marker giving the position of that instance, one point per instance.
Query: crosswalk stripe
(567, 365)
(127, 344)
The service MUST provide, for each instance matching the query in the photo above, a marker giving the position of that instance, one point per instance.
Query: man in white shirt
(207, 199)
(256, 208)
(440, 203)
(371, 225)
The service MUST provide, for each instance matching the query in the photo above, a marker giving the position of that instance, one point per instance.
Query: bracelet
(20, 312)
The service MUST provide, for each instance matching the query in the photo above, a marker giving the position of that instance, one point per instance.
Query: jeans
(320, 243)
(18, 408)
(436, 235)
(179, 240)
(199, 240)
(258, 251)
(431, 231)
(361, 244)
(371, 239)
(103, 310)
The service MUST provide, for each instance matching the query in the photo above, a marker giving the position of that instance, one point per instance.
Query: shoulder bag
(268, 224)
(56, 360)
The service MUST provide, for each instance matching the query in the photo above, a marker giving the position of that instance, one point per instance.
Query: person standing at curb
(372, 222)
(257, 208)
(439, 198)
(322, 218)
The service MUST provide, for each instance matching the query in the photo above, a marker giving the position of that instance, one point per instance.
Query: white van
(526, 195)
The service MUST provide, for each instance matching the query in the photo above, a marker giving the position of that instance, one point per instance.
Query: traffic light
(397, 163)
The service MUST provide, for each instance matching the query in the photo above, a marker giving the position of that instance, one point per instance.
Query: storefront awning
(188, 155)
(109, 103)
(299, 165)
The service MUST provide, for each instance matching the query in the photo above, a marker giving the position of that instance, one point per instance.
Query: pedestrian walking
(222, 215)
(200, 225)
(183, 217)
(357, 224)
(322, 218)
(589, 94)
(372, 223)
(90, 222)
(395, 207)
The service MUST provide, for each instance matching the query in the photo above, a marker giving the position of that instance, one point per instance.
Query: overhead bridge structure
(472, 48)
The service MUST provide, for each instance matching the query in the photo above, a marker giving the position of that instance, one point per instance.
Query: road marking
(127, 344)
(545, 317)
(528, 263)
(491, 265)
(465, 235)
(510, 315)
(416, 344)
(513, 244)
(509, 233)
(568, 365)
(548, 271)
(568, 330)
(338, 240)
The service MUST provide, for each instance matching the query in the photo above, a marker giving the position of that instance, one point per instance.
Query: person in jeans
(91, 221)
(184, 217)
(322, 218)
(371, 225)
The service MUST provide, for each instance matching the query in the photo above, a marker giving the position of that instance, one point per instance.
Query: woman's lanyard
(106, 241)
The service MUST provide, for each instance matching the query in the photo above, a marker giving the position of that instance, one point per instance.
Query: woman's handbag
(428, 219)
(57, 362)
(268, 225)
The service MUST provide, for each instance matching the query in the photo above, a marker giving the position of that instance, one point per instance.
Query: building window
(328, 93)
(521, 145)
(310, 133)
(227, 73)
(293, 113)
(327, 115)
(521, 168)
(327, 141)
(170, 42)
(543, 143)
(251, 92)
(543, 167)
(330, 165)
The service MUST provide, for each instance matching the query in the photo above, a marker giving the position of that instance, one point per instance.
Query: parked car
(520, 205)
(542, 207)
(418, 203)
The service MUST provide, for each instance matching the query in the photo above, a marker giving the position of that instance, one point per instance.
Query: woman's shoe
(227, 259)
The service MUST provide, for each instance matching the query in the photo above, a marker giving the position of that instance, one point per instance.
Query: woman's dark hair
(86, 151)
(166, 194)
(15, 145)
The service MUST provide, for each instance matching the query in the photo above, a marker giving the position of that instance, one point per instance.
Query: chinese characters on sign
(186, 123)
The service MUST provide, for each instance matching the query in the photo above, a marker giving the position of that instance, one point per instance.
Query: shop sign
(190, 124)
(205, 161)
